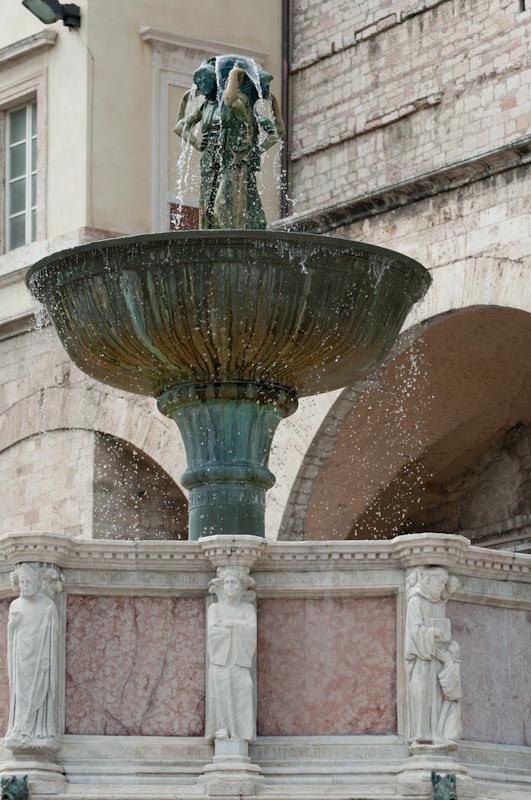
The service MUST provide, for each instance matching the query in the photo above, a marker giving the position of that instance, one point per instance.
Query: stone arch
(76, 402)
(473, 362)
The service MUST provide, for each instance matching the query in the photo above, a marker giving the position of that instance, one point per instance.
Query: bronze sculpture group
(231, 146)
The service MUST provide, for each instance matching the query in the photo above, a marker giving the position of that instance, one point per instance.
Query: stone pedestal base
(231, 774)
(38, 762)
(425, 758)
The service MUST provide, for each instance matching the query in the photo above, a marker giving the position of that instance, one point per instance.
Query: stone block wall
(49, 479)
(81, 457)
(490, 498)
(384, 91)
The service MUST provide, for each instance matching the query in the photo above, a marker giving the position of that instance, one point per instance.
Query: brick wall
(384, 91)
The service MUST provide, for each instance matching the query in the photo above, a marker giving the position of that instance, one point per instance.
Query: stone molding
(27, 46)
(264, 556)
(232, 550)
(198, 47)
(341, 760)
(443, 179)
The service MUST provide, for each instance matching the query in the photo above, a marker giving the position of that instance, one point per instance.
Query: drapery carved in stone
(231, 648)
(33, 657)
(432, 660)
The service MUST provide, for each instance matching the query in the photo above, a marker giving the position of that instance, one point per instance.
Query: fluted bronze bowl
(240, 319)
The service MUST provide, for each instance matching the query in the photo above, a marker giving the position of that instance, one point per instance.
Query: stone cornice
(27, 47)
(159, 36)
(444, 179)
(404, 552)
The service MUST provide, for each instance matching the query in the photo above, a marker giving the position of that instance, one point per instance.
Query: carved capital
(242, 551)
(430, 549)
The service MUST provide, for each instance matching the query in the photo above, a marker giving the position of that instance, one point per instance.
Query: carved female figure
(231, 648)
(432, 660)
(33, 644)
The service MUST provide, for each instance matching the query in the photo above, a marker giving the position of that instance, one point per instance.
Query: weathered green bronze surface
(233, 137)
(227, 329)
(444, 787)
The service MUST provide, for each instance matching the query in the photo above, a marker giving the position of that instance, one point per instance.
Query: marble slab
(496, 672)
(135, 666)
(326, 666)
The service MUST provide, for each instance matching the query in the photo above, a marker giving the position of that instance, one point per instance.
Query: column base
(37, 760)
(231, 774)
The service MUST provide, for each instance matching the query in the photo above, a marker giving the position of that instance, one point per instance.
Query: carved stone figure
(230, 143)
(444, 787)
(15, 787)
(231, 648)
(33, 648)
(432, 660)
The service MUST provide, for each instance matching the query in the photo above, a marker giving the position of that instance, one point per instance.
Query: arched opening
(458, 394)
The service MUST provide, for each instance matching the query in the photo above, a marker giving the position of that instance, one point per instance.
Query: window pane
(33, 190)
(17, 196)
(17, 157)
(17, 231)
(33, 225)
(17, 125)
(34, 119)
(34, 154)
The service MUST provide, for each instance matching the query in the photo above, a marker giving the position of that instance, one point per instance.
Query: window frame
(31, 170)
(16, 90)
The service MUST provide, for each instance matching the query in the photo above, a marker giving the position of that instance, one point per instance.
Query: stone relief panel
(433, 663)
(135, 666)
(33, 655)
(231, 648)
(496, 652)
(327, 666)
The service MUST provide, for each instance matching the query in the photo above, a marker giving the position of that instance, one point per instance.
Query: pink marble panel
(135, 666)
(326, 667)
(4, 678)
(496, 672)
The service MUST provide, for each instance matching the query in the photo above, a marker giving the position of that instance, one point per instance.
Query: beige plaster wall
(122, 109)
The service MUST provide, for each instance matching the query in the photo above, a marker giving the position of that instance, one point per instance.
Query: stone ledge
(177, 558)
(28, 46)
(443, 179)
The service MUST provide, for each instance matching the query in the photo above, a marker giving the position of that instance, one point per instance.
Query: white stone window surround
(175, 56)
(23, 80)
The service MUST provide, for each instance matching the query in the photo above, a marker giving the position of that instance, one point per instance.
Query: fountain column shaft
(227, 429)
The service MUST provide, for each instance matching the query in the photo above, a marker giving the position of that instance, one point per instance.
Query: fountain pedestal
(227, 429)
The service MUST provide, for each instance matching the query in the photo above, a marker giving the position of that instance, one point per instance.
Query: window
(21, 176)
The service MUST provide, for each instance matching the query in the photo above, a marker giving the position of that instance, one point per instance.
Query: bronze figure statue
(230, 145)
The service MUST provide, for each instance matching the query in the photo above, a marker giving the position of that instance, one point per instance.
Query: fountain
(227, 327)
